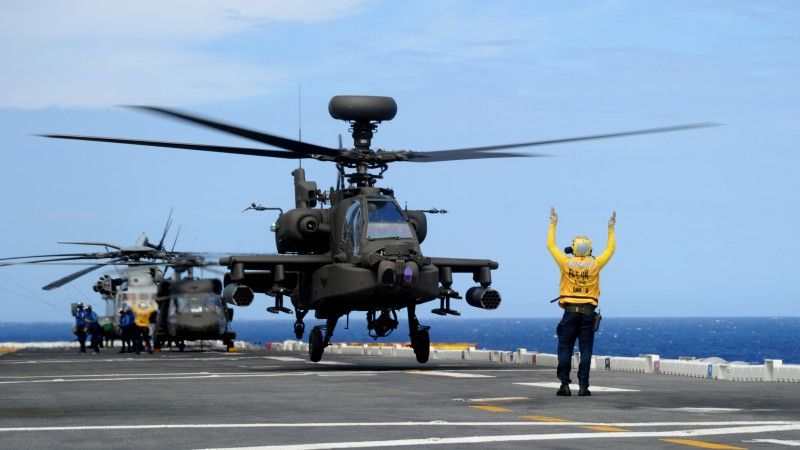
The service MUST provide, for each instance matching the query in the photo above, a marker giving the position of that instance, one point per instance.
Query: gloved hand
(553, 215)
(613, 220)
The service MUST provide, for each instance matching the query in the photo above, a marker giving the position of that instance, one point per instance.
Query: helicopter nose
(393, 273)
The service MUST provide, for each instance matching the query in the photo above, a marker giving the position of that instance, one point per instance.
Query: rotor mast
(363, 113)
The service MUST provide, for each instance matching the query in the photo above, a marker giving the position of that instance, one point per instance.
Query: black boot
(564, 391)
(584, 392)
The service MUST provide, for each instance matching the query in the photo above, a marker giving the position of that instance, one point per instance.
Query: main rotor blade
(74, 276)
(302, 148)
(690, 126)
(201, 147)
(453, 155)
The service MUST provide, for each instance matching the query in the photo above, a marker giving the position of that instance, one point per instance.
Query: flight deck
(278, 399)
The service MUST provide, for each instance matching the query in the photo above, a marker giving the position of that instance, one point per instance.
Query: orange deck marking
(491, 408)
(544, 419)
(605, 428)
(702, 444)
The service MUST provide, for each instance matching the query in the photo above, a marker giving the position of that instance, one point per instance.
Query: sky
(707, 220)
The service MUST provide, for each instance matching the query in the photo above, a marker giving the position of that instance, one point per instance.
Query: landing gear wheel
(181, 346)
(316, 344)
(228, 344)
(299, 329)
(422, 346)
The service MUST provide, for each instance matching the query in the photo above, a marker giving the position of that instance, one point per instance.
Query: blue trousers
(575, 326)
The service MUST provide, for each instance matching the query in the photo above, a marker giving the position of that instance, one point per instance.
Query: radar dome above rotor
(362, 108)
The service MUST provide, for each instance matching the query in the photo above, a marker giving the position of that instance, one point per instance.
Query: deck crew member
(579, 291)
(93, 327)
(126, 327)
(142, 311)
(80, 326)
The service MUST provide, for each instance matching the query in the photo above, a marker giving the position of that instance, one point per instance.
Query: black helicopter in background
(362, 253)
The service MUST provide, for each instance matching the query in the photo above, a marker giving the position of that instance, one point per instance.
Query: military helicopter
(363, 252)
(189, 308)
(137, 275)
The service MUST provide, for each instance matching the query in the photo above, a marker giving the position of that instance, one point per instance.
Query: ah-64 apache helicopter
(188, 308)
(363, 252)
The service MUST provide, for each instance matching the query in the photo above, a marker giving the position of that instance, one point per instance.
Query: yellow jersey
(143, 314)
(580, 275)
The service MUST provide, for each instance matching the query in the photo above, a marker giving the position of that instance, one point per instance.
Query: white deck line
(435, 423)
(444, 373)
(528, 438)
(574, 387)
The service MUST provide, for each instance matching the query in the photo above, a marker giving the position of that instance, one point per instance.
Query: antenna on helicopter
(299, 121)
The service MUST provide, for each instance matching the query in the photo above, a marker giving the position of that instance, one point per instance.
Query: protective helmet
(89, 308)
(581, 246)
(80, 306)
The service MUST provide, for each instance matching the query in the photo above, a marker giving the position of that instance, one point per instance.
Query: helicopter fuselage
(361, 254)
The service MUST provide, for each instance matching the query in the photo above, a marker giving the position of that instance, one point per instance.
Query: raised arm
(604, 257)
(558, 255)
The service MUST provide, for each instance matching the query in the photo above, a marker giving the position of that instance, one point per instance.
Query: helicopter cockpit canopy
(374, 220)
(385, 220)
(197, 303)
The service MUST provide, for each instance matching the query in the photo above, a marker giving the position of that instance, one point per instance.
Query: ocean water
(747, 339)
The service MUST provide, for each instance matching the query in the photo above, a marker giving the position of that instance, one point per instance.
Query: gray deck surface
(59, 398)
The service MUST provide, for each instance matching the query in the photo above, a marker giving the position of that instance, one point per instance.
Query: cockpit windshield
(385, 220)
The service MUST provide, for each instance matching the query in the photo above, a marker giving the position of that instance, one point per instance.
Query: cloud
(96, 53)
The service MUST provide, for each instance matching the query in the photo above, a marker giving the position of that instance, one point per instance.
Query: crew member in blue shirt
(80, 326)
(126, 326)
(93, 327)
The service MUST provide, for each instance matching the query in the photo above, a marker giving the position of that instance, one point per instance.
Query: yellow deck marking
(605, 428)
(544, 419)
(702, 444)
(491, 408)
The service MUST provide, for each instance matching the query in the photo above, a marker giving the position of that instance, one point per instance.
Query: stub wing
(268, 262)
(464, 265)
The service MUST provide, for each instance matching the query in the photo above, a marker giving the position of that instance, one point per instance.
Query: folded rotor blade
(160, 245)
(42, 256)
(442, 154)
(62, 281)
(298, 147)
(175, 242)
(200, 147)
(453, 155)
(99, 244)
(37, 261)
